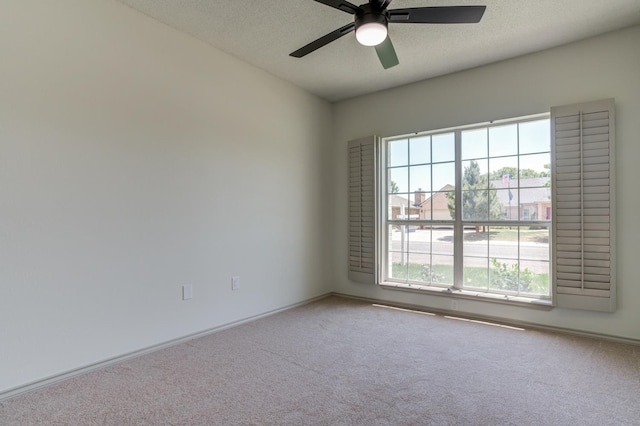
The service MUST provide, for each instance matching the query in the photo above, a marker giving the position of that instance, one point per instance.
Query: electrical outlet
(187, 292)
(454, 305)
(235, 283)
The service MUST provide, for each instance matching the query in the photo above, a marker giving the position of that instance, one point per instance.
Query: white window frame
(457, 287)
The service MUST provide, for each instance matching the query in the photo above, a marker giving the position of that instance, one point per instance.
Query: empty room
(221, 212)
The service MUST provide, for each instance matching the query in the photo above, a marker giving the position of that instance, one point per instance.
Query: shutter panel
(362, 210)
(583, 205)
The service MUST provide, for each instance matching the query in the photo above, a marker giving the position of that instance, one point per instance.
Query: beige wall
(127, 151)
(598, 68)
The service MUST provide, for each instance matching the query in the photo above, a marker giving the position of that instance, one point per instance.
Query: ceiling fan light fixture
(371, 33)
(371, 26)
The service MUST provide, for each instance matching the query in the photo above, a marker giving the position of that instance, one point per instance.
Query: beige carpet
(345, 362)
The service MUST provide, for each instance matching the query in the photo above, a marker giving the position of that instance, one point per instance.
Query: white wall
(598, 68)
(133, 160)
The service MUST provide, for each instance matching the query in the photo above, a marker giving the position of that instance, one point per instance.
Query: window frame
(457, 224)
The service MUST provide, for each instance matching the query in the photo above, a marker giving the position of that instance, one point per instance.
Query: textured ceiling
(263, 33)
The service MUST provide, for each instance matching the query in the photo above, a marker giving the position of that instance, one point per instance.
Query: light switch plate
(187, 292)
(235, 283)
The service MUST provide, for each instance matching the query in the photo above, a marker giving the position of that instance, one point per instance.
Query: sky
(426, 162)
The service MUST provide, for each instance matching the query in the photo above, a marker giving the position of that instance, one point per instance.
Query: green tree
(478, 203)
(394, 187)
(547, 167)
(513, 172)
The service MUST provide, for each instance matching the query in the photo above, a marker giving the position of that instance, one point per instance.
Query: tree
(478, 203)
(513, 172)
(547, 167)
(394, 187)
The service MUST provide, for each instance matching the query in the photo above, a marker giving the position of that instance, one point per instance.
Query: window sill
(527, 302)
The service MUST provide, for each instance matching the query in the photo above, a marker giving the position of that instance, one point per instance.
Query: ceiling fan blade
(380, 4)
(437, 15)
(387, 54)
(324, 40)
(344, 6)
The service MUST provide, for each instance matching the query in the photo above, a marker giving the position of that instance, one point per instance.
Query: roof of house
(526, 191)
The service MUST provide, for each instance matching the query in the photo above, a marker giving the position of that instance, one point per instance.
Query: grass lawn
(414, 270)
(474, 277)
(510, 234)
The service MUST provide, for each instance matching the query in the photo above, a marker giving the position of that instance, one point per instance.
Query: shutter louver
(583, 203)
(362, 210)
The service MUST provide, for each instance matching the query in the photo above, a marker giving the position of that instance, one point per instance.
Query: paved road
(533, 255)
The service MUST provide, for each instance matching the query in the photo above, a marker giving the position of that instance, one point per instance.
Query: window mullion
(458, 236)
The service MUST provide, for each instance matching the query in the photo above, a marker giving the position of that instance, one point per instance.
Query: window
(477, 210)
(467, 209)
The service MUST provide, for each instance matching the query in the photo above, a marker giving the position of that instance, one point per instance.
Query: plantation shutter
(583, 203)
(362, 210)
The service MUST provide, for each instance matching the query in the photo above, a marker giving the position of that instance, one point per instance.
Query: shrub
(428, 275)
(505, 277)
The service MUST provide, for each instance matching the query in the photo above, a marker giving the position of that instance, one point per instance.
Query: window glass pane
(474, 144)
(535, 136)
(443, 206)
(534, 203)
(444, 176)
(476, 241)
(419, 266)
(422, 205)
(420, 150)
(504, 242)
(534, 243)
(398, 180)
(475, 273)
(507, 201)
(398, 153)
(442, 240)
(398, 206)
(397, 255)
(503, 140)
(503, 172)
(535, 166)
(534, 277)
(441, 269)
(474, 174)
(503, 274)
(420, 178)
(397, 238)
(420, 240)
(444, 147)
(475, 205)
(399, 266)
(496, 208)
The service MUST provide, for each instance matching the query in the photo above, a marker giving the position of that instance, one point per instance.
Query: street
(477, 248)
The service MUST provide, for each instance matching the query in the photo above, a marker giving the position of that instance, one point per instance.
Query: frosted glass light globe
(371, 33)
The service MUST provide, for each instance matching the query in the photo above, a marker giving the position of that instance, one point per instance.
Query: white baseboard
(29, 387)
(497, 320)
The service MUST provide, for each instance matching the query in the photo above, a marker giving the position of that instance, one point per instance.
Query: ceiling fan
(371, 21)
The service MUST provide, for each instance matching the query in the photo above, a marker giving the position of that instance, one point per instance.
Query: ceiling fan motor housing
(366, 14)
(371, 25)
